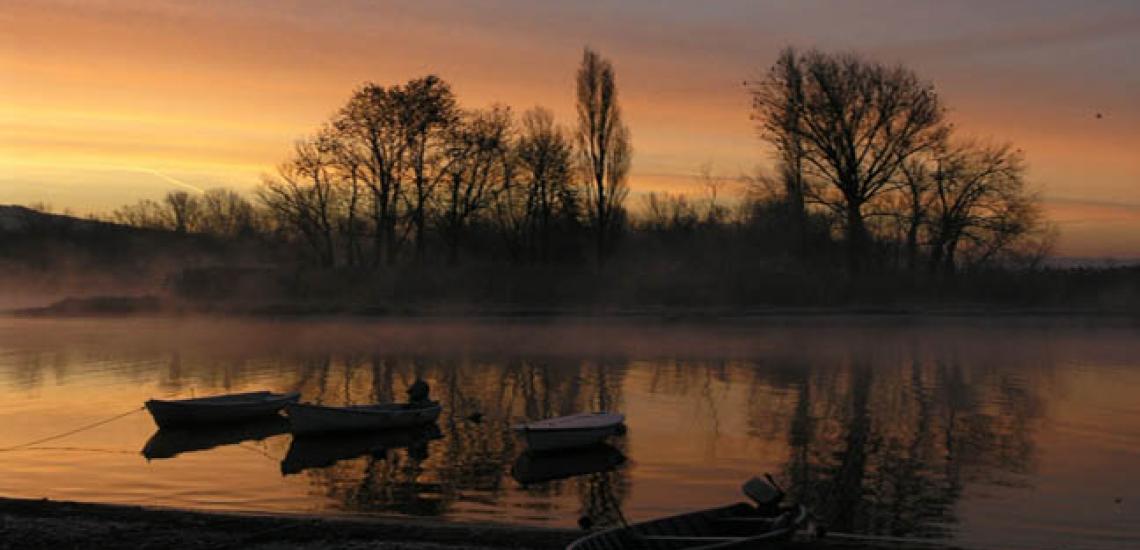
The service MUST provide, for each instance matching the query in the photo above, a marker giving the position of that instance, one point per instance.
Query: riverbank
(154, 306)
(28, 523)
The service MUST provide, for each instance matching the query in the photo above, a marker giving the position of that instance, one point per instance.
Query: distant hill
(44, 257)
(27, 234)
(15, 219)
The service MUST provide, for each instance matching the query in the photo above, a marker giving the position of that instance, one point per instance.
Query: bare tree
(545, 160)
(426, 109)
(183, 211)
(912, 205)
(857, 123)
(980, 203)
(604, 142)
(226, 213)
(778, 103)
(145, 213)
(303, 197)
(477, 151)
(370, 121)
(347, 170)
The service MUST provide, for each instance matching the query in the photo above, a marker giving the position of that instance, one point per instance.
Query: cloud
(1057, 33)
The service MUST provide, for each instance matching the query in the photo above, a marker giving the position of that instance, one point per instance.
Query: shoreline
(36, 523)
(493, 313)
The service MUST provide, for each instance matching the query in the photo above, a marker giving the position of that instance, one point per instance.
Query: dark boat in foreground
(740, 525)
(319, 451)
(533, 467)
(218, 409)
(171, 442)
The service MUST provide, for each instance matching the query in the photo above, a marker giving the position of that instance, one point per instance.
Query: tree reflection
(889, 450)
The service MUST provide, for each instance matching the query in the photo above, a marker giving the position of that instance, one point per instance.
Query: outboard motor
(418, 392)
(765, 493)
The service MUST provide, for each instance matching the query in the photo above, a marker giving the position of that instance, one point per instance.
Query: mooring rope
(71, 432)
(884, 538)
(76, 450)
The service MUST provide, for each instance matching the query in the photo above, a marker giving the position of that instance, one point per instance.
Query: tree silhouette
(857, 122)
(604, 143)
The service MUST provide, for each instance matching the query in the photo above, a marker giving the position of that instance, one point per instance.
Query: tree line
(870, 176)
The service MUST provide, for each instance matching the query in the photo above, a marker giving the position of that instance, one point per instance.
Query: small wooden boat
(217, 409)
(740, 525)
(323, 450)
(305, 418)
(171, 442)
(542, 467)
(570, 432)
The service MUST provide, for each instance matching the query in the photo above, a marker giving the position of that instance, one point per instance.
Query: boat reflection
(320, 451)
(533, 467)
(171, 442)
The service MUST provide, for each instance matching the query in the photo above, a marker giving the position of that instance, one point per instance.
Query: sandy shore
(44, 523)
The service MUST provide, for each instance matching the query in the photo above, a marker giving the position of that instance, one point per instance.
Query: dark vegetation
(405, 201)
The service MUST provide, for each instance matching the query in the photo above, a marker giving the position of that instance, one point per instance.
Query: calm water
(994, 433)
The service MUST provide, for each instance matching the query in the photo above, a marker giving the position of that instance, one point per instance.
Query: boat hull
(313, 419)
(554, 440)
(739, 525)
(217, 410)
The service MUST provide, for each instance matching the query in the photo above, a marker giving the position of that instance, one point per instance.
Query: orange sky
(105, 102)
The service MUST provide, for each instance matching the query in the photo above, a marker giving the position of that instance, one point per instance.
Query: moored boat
(570, 432)
(740, 525)
(306, 418)
(217, 409)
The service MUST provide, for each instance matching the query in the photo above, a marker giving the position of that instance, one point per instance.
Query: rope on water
(71, 432)
(76, 449)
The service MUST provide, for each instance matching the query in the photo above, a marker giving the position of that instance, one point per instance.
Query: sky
(106, 102)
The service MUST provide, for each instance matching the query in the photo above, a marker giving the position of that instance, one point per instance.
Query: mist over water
(1005, 432)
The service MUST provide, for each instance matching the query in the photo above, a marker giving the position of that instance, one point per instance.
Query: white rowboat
(305, 418)
(217, 409)
(570, 432)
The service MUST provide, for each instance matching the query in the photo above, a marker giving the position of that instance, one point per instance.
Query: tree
(548, 197)
(225, 213)
(779, 109)
(913, 204)
(304, 198)
(604, 144)
(369, 121)
(426, 110)
(145, 213)
(979, 203)
(857, 122)
(183, 211)
(477, 150)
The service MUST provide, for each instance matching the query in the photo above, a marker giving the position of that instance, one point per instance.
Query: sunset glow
(103, 103)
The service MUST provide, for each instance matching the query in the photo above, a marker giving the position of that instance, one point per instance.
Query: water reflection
(171, 442)
(888, 450)
(533, 467)
(891, 432)
(320, 451)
